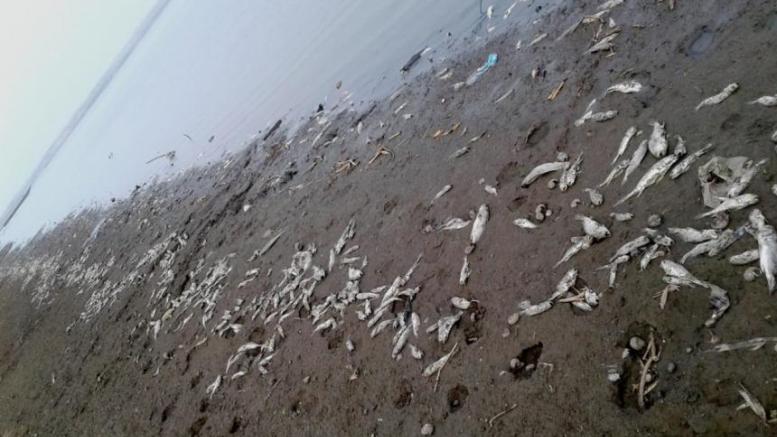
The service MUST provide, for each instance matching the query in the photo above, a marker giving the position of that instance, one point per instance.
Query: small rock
(514, 363)
(306, 379)
(671, 367)
(654, 221)
(636, 343)
(427, 429)
(688, 350)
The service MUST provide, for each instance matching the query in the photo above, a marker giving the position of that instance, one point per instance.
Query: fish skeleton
(630, 133)
(636, 160)
(652, 176)
(734, 203)
(684, 165)
(657, 143)
(615, 172)
(719, 97)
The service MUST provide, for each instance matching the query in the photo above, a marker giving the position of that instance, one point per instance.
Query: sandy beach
(290, 288)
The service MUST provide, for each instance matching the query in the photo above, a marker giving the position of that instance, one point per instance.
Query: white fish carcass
(657, 144)
(593, 228)
(479, 225)
(719, 97)
(543, 169)
(767, 247)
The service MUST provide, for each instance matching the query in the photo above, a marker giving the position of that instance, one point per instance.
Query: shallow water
(229, 70)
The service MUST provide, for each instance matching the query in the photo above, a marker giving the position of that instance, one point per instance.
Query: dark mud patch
(525, 363)
(456, 397)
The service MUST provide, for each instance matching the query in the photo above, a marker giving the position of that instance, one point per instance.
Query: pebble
(427, 429)
(514, 318)
(671, 367)
(688, 350)
(636, 343)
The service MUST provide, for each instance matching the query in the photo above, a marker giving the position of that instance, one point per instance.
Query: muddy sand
(122, 321)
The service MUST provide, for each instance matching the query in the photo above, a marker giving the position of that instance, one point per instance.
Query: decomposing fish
(609, 4)
(213, 387)
(465, 272)
(626, 87)
(460, 152)
(650, 254)
(630, 246)
(569, 174)
(437, 366)
(712, 247)
(490, 189)
(691, 235)
(595, 196)
(524, 223)
(347, 234)
(744, 258)
(654, 175)
(657, 143)
(596, 116)
(636, 160)
(765, 101)
(543, 169)
(615, 172)
(719, 97)
(753, 403)
(613, 268)
(622, 216)
(479, 225)
(732, 204)
(679, 147)
(681, 274)
(740, 183)
(767, 247)
(752, 344)
(604, 43)
(442, 192)
(564, 285)
(578, 245)
(630, 133)
(684, 165)
(266, 248)
(453, 223)
(593, 228)
(400, 340)
(415, 352)
(529, 309)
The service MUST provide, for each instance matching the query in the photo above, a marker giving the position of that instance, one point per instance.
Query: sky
(52, 53)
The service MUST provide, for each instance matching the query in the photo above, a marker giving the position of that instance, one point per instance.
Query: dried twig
(650, 357)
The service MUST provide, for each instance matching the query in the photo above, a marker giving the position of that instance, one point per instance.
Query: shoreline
(93, 338)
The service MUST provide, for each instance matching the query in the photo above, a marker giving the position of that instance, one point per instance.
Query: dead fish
(691, 235)
(453, 223)
(626, 87)
(415, 352)
(465, 272)
(657, 143)
(681, 274)
(604, 43)
(527, 309)
(765, 101)
(543, 169)
(658, 237)
(400, 340)
(752, 344)
(636, 160)
(461, 303)
(565, 284)
(603, 116)
(579, 244)
(524, 223)
(630, 247)
(593, 228)
(739, 184)
(679, 147)
(442, 192)
(732, 204)
(327, 325)
(767, 247)
(490, 189)
(630, 133)
(347, 234)
(752, 403)
(479, 226)
(712, 247)
(654, 175)
(569, 175)
(609, 4)
(744, 258)
(595, 196)
(615, 172)
(622, 216)
(437, 366)
(461, 152)
(688, 161)
(719, 97)
(650, 254)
